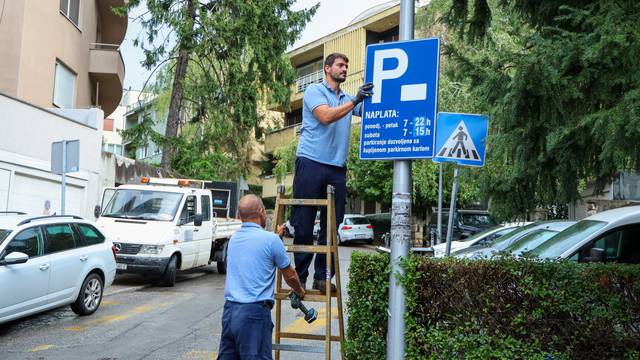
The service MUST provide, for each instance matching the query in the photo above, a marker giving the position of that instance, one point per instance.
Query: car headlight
(151, 249)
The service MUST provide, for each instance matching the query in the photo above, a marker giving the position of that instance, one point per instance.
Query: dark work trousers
(246, 331)
(310, 182)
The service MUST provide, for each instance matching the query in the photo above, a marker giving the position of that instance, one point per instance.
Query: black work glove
(364, 91)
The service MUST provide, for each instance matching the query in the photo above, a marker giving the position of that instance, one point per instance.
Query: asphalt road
(139, 320)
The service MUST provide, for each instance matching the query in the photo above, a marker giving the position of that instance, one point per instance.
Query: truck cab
(162, 226)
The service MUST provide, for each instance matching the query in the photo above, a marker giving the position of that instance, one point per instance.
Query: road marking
(109, 302)
(107, 319)
(200, 355)
(301, 326)
(42, 347)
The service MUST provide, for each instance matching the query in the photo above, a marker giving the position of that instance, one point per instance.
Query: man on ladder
(321, 159)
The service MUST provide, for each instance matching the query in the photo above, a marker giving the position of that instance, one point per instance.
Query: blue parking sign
(398, 120)
(461, 138)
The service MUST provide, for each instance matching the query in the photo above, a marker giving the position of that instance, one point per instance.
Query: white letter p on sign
(379, 74)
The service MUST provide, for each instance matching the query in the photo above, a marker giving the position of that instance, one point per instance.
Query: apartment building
(61, 72)
(62, 53)
(377, 24)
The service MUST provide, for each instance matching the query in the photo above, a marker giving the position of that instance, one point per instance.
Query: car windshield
(356, 221)
(482, 234)
(143, 205)
(567, 238)
(530, 241)
(4, 233)
(504, 241)
(480, 220)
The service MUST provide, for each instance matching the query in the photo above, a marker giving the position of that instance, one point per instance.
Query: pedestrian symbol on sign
(461, 138)
(460, 145)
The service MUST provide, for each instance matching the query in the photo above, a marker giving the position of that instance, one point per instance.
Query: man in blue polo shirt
(253, 255)
(321, 159)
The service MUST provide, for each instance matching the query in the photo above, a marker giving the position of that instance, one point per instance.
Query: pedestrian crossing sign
(461, 138)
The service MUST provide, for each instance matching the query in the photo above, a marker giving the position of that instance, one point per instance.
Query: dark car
(465, 223)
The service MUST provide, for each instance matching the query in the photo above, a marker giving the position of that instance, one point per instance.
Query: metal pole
(64, 176)
(439, 233)
(452, 209)
(400, 223)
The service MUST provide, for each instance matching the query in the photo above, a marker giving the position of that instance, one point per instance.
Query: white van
(164, 225)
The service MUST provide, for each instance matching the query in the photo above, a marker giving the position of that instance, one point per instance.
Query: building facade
(378, 24)
(62, 53)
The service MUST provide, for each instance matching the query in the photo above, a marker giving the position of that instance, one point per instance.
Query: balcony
(112, 27)
(106, 70)
(304, 81)
(280, 137)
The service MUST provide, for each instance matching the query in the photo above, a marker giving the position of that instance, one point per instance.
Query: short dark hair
(332, 58)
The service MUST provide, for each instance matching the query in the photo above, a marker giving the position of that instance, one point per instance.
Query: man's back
(253, 255)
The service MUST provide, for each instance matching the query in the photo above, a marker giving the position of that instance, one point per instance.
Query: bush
(500, 309)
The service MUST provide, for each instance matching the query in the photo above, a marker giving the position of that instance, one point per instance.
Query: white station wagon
(52, 261)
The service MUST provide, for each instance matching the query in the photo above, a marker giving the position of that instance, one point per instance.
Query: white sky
(331, 16)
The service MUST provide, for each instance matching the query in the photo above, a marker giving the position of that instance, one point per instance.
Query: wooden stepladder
(331, 251)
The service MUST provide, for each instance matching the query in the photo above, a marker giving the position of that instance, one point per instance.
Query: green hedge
(504, 309)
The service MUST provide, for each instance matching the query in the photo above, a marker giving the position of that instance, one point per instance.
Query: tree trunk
(173, 117)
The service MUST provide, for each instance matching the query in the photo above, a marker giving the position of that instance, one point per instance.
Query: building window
(71, 9)
(292, 118)
(64, 85)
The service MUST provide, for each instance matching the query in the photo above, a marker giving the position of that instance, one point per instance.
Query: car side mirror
(595, 255)
(96, 211)
(197, 219)
(14, 258)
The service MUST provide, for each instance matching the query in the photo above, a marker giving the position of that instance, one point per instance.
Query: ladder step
(298, 348)
(307, 297)
(318, 249)
(303, 202)
(290, 335)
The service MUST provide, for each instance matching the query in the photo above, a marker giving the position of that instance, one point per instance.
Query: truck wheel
(222, 266)
(89, 297)
(169, 277)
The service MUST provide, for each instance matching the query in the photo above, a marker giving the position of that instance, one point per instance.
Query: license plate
(361, 236)
(121, 266)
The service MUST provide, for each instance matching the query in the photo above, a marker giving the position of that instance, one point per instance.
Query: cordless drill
(310, 315)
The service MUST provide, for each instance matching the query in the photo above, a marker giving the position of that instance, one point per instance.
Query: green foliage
(285, 158)
(235, 63)
(367, 306)
(499, 309)
(561, 85)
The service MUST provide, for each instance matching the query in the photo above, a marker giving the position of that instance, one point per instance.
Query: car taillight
(346, 227)
(113, 250)
(369, 226)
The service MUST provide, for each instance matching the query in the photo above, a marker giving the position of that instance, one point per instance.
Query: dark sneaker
(321, 285)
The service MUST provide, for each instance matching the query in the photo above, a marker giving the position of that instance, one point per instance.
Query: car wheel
(169, 277)
(90, 296)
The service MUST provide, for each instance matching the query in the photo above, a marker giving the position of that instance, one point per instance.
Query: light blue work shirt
(326, 144)
(252, 257)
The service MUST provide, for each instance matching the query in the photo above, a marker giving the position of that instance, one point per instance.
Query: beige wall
(34, 34)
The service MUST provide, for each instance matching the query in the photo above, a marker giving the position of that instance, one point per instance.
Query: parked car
(381, 223)
(501, 243)
(536, 238)
(355, 228)
(483, 237)
(52, 261)
(290, 231)
(609, 236)
(465, 224)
